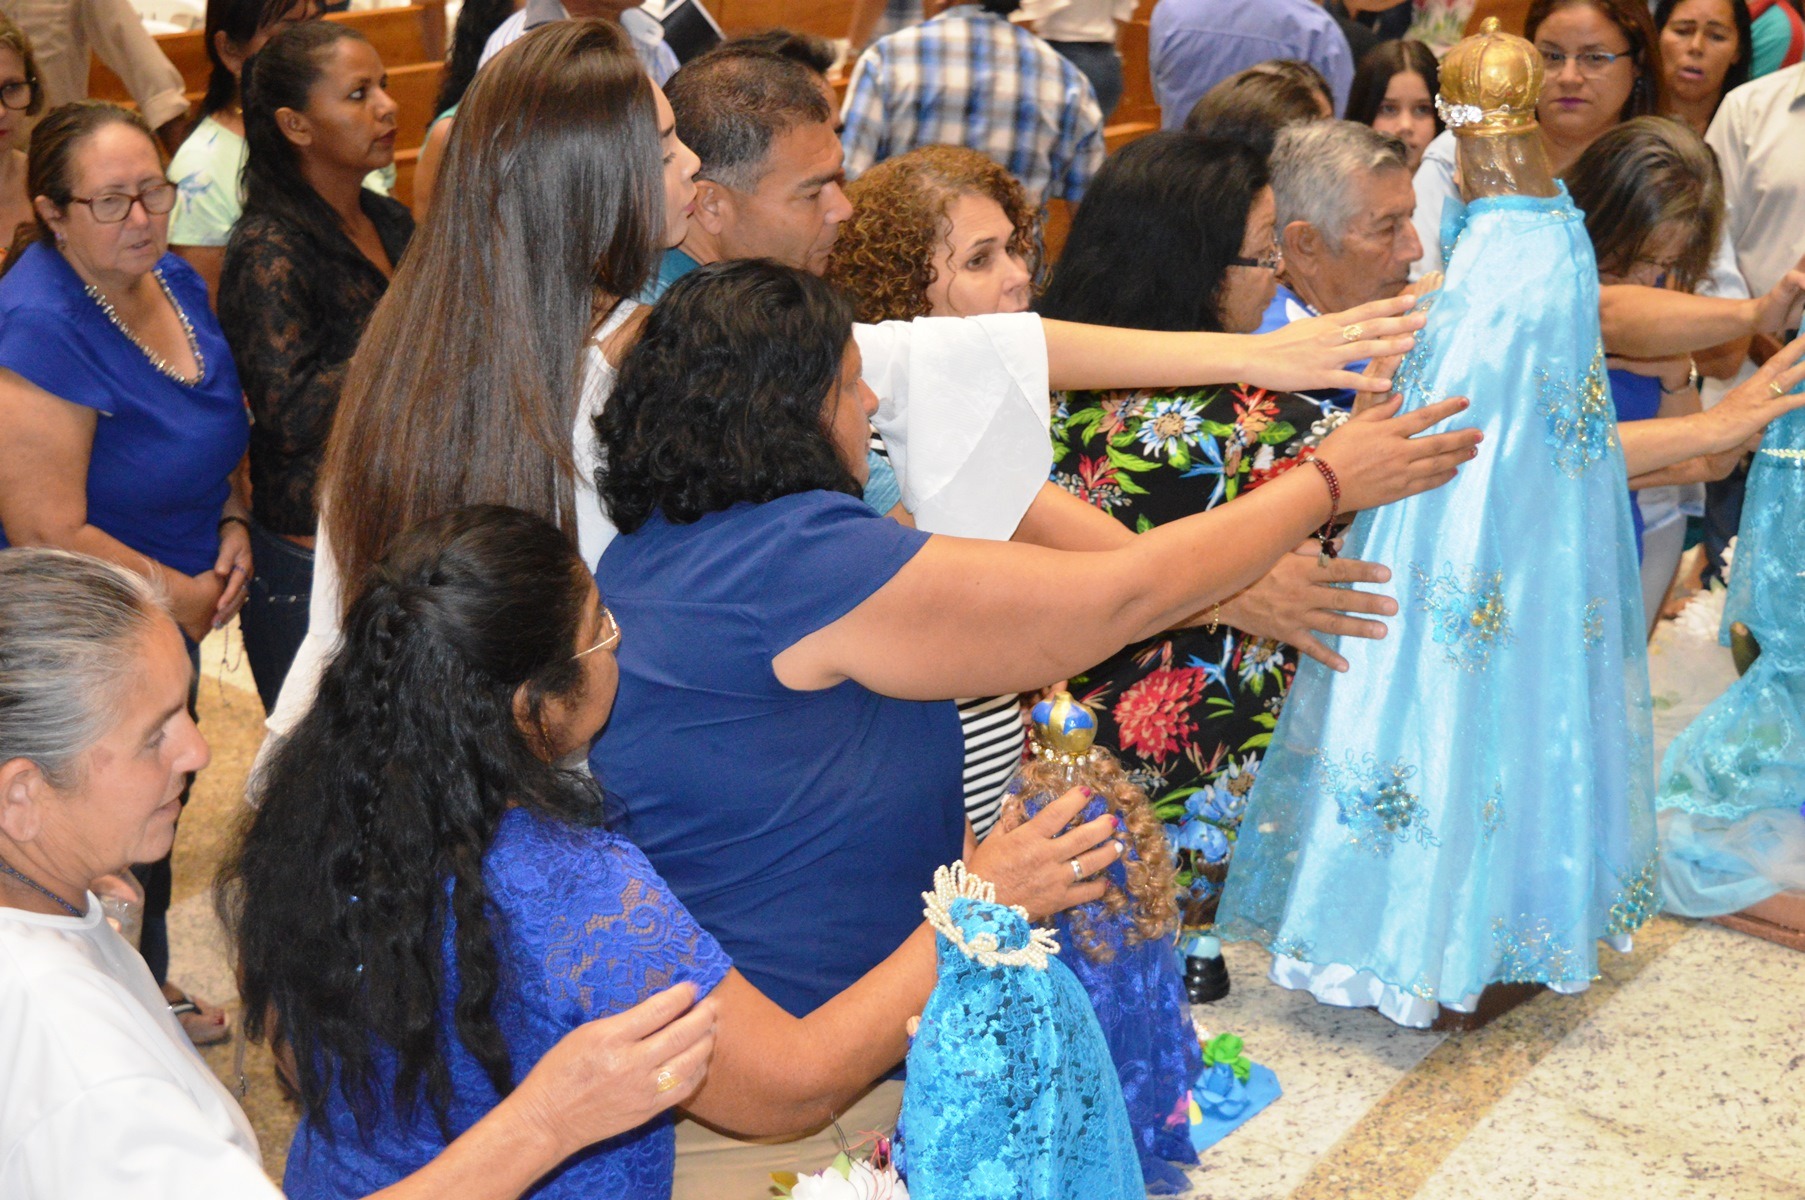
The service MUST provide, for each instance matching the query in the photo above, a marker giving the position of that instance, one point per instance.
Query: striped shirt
(967, 78)
(995, 737)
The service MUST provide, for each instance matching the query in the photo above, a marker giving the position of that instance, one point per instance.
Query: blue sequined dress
(1471, 802)
(1733, 781)
(1138, 994)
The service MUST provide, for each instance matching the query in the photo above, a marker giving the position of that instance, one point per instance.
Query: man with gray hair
(1343, 202)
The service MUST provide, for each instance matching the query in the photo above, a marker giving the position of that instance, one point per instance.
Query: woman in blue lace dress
(426, 900)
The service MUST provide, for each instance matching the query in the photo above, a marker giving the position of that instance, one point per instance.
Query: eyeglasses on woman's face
(1591, 63)
(610, 634)
(16, 95)
(113, 207)
(1271, 260)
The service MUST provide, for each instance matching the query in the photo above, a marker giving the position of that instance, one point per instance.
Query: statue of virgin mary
(1471, 802)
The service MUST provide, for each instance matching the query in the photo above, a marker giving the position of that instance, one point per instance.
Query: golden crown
(1490, 83)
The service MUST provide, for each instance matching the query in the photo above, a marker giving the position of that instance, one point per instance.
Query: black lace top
(293, 305)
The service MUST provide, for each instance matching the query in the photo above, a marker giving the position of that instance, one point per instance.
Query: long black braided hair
(374, 814)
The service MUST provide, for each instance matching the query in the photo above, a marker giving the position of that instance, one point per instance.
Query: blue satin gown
(1471, 802)
(1733, 781)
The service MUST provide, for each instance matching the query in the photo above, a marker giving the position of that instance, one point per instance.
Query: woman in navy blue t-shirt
(785, 747)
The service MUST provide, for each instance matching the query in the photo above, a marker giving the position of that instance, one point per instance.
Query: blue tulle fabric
(1472, 801)
(1733, 781)
(1011, 1095)
(1139, 998)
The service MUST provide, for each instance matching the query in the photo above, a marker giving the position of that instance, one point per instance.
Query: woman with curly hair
(942, 231)
(1177, 233)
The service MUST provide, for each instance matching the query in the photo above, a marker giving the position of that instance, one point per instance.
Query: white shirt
(101, 1093)
(641, 27)
(1759, 136)
(1076, 20)
(963, 406)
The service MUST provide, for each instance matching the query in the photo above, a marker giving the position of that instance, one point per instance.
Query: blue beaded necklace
(35, 886)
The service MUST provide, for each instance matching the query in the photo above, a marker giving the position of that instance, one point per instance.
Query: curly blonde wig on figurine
(884, 258)
(1152, 890)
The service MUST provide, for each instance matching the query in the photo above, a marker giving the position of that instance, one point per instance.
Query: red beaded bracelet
(1325, 536)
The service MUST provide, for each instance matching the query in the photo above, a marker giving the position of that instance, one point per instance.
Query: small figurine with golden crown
(1120, 947)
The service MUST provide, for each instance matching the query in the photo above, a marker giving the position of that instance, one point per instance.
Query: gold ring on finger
(1777, 388)
(1352, 333)
(667, 1081)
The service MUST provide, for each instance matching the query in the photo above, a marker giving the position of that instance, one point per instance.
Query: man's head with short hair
(769, 185)
(1344, 201)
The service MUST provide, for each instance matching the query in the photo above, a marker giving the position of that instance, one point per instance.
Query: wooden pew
(403, 36)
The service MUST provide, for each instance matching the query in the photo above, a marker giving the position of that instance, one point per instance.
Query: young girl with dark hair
(304, 270)
(1394, 92)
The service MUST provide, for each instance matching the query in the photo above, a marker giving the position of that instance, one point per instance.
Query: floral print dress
(1189, 712)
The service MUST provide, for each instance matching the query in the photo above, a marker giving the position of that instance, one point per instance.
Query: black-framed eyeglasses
(18, 94)
(1589, 62)
(114, 207)
(1272, 260)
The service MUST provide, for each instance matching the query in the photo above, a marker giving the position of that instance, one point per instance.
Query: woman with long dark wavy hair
(307, 263)
(426, 900)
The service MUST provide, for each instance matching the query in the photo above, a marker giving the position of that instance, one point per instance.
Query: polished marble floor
(1679, 1076)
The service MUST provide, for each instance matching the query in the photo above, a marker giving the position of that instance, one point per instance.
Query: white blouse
(963, 406)
(101, 1093)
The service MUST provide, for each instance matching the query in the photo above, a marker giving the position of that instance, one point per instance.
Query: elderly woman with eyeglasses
(125, 424)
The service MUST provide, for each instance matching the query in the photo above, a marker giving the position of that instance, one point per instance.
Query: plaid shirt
(967, 78)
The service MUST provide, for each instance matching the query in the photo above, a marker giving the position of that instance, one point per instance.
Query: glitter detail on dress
(1375, 804)
(1470, 619)
(1639, 900)
(1582, 424)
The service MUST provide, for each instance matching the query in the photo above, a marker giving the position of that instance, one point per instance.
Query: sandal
(204, 1024)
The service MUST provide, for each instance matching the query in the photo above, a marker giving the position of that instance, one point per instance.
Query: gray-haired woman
(102, 1092)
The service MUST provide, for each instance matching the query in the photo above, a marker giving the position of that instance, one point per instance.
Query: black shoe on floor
(1206, 979)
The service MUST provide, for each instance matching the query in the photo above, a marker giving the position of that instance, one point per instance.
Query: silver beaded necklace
(156, 360)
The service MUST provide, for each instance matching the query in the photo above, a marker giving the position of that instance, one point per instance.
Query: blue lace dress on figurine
(1011, 1095)
(1732, 783)
(1471, 802)
(1120, 947)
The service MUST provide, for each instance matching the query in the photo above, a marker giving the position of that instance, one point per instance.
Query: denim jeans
(274, 618)
(1101, 65)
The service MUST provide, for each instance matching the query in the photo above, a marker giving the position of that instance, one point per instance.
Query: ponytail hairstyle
(240, 21)
(50, 163)
(375, 813)
(279, 76)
